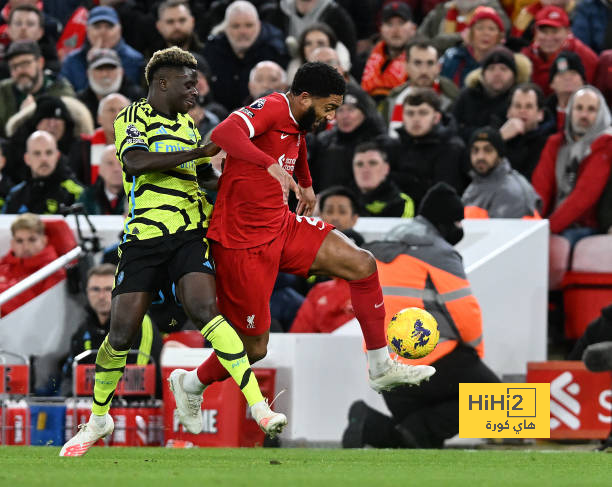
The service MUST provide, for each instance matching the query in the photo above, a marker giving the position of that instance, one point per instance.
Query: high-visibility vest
(475, 212)
(411, 282)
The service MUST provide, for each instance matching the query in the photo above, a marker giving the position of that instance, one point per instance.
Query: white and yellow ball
(413, 333)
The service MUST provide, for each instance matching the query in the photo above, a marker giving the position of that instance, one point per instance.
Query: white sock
(192, 384)
(378, 361)
(259, 410)
(98, 421)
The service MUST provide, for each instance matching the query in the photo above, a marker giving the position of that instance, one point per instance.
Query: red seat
(191, 338)
(587, 287)
(60, 236)
(558, 261)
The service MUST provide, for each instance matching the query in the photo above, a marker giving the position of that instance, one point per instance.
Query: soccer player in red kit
(254, 234)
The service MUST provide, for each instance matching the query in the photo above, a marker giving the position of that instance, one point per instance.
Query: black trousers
(426, 415)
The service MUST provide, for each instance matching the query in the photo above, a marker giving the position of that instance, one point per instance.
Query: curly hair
(170, 57)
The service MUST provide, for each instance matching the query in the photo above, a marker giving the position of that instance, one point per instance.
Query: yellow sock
(110, 364)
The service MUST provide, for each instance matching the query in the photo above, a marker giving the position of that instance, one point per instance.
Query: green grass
(159, 467)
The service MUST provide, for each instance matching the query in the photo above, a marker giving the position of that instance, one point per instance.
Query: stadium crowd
(506, 102)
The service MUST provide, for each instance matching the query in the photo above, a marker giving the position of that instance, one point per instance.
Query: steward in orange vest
(418, 266)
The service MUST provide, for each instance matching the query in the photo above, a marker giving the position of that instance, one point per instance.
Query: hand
(286, 181)
(307, 201)
(512, 128)
(209, 149)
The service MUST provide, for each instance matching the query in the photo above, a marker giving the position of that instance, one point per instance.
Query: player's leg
(127, 313)
(338, 256)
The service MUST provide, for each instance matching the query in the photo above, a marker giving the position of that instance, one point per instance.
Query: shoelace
(275, 398)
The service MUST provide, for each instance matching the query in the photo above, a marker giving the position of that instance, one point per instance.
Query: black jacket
(230, 78)
(128, 89)
(44, 195)
(417, 163)
(385, 201)
(599, 330)
(96, 202)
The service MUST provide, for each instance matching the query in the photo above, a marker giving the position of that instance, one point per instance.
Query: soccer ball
(413, 333)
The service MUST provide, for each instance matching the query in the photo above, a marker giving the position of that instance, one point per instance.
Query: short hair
(339, 191)
(28, 221)
(171, 4)
(418, 96)
(318, 79)
(371, 145)
(526, 88)
(28, 8)
(240, 6)
(420, 43)
(101, 270)
(317, 26)
(270, 64)
(172, 57)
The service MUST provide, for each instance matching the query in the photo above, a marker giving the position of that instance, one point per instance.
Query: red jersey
(249, 210)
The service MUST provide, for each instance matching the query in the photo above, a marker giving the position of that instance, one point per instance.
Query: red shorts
(245, 277)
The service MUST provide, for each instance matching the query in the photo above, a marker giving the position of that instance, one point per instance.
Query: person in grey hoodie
(496, 190)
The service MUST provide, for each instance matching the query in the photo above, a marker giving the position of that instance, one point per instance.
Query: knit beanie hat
(441, 204)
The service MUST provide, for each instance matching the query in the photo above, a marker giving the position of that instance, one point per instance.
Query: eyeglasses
(97, 289)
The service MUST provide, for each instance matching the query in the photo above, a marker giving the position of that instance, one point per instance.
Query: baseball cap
(567, 61)
(552, 16)
(396, 9)
(97, 57)
(490, 135)
(103, 14)
(18, 48)
(482, 13)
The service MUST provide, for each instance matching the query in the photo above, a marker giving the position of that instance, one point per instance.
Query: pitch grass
(160, 467)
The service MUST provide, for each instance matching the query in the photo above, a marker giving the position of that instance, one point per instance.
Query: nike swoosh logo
(379, 304)
(284, 136)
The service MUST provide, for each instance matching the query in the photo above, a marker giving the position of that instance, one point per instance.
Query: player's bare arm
(139, 162)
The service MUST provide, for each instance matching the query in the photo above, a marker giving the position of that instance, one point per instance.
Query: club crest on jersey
(257, 104)
(132, 131)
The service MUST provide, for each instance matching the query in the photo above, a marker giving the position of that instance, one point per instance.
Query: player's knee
(364, 265)
(120, 337)
(202, 312)
(256, 351)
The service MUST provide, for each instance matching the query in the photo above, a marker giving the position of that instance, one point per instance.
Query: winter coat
(502, 193)
(590, 22)
(457, 62)
(417, 163)
(74, 66)
(14, 269)
(384, 201)
(44, 195)
(96, 202)
(230, 78)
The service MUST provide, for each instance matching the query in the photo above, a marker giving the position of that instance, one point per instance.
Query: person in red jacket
(553, 35)
(575, 166)
(29, 253)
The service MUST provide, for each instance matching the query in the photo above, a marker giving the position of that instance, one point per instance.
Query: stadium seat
(190, 338)
(60, 236)
(587, 287)
(558, 259)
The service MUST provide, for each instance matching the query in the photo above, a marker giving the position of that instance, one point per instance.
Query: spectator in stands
(527, 128)
(95, 325)
(566, 77)
(105, 75)
(294, 16)
(592, 22)
(386, 66)
(103, 30)
(330, 153)
(378, 195)
(265, 78)
(485, 33)
(312, 37)
(84, 157)
(419, 256)
(333, 58)
(243, 41)
(339, 206)
(553, 35)
(598, 331)
(497, 190)
(52, 27)
(484, 100)
(28, 79)
(206, 98)
(445, 23)
(524, 20)
(603, 75)
(575, 166)
(65, 118)
(425, 151)
(29, 252)
(26, 23)
(5, 181)
(51, 183)
(423, 71)
(175, 25)
(106, 196)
